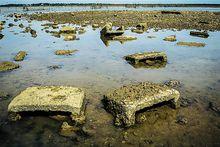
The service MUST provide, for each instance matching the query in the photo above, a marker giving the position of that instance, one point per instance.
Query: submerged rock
(171, 38)
(10, 24)
(54, 67)
(65, 52)
(68, 130)
(194, 44)
(7, 65)
(199, 34)
(21, 25)
(173, 83)
(55, 34)
(33, 33)
(147, 59)
(151, 37)
(20, 56)
(125, 101)
(48, 99)
(124, 38)
(4, 96)
(1, 36)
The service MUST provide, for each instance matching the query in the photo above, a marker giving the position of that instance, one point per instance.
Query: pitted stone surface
(125, 101)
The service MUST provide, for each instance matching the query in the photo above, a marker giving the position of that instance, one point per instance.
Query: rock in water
(147, 59)
(199, 34)
(48, 99)
(171, 38)
(20, 56)
(124, 38)
(65, 52)
(68, 30)
(194, 44)
(125, 101)
(107, 30)
(7, 65)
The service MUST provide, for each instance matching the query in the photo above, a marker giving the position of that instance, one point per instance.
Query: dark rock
(173, 83)
(214, 107)
(170, 12)
(54, 67)
(4, 96)
(1, 36)
(10, 24)
(199, 34)
(181, 120)
(21, 25)
(33, 33)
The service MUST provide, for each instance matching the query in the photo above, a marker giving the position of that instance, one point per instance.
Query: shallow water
(97, 68)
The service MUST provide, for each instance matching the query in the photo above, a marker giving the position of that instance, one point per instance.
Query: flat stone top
(140, 56)
(48, 98)
(142, 91)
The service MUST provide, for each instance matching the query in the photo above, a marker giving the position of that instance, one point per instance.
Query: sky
(109, 1)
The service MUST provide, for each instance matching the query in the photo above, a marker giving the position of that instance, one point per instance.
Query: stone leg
(175, 103)
(125, 119)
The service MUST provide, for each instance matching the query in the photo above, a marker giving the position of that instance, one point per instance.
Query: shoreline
(198, 20)
(111, 5)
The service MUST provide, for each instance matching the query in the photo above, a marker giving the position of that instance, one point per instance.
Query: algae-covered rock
(147, 59)
(68, 30)
(48, 99)
(20, 56)
(7, 65)
(68, 130)
(65, 52)
(203, 34)
(124, 102)
(171, 38)
(193, 44)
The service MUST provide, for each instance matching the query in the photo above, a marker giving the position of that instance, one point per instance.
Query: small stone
(59, 117)
(95, 25)
(181, 120)
(68, 130)
(151, 37)
(10, 24)
(20, 56)
(68, 30)
(54, 67)
(171, 38)
(139, 31)
(4, 96)
(141, 118)
(124, 38)
(69, 37)
(173, 83)
(33, 33)
(7, 65)
(14, 117)
(65, 52)
(21, 25)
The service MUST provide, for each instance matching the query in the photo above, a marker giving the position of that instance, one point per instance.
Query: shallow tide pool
(98, 68)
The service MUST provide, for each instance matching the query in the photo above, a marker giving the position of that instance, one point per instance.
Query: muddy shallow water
(97, 68)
